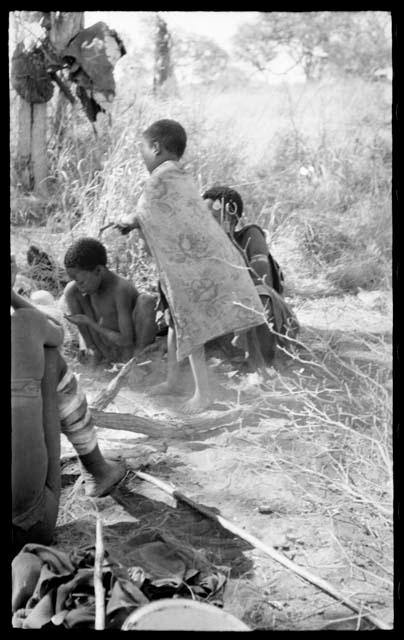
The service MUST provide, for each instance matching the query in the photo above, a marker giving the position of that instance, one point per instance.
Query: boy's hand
(91, 356)
(78, 319)
(123, 227)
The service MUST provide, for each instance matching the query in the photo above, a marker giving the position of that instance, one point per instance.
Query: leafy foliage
(198, 57)
(349, 42)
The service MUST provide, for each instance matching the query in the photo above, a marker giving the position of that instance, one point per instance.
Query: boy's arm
(122, 338)
(42, 326)
(19, 302)
(54, 332)
(257, 254)
(126, 225)
(70, 295)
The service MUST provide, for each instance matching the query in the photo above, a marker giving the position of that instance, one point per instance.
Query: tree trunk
(32, 160)
(64, 26)
(39, 156)
(32, 165)
(163, 69)
(24, 144)
(61, 116)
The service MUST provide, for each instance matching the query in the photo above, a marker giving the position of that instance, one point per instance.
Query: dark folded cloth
(58, 591)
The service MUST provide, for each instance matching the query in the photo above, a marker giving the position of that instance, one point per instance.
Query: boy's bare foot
(165, 388)
(196, 404)
(100, 485)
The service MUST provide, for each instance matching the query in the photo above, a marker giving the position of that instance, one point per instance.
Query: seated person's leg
(266, 339)
(255, 352)
(100, 475)
(51, 418)
(144, 320)
(172, 383)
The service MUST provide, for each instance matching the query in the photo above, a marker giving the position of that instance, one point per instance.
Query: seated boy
(114, 319)
(226, 206)
(202, 276)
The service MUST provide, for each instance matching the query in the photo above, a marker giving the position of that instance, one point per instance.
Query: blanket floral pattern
(203, 276)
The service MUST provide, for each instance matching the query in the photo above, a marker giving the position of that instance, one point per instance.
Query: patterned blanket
(203, 276)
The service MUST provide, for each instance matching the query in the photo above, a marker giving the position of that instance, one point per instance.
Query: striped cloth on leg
(75, 416)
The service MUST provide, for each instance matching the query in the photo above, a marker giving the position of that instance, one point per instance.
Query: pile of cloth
(55, 589)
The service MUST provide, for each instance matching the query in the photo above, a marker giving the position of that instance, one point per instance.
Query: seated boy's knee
(71, 291)
(145, 304)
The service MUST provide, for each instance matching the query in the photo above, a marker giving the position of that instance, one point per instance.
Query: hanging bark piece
(91, 56)
(29, 75)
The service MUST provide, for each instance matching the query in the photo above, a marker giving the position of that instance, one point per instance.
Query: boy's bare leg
(144, 320)
(201, 398)
(171, 385)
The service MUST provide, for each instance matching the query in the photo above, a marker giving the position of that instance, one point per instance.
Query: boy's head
(225, 204)
(85, 262)
(163, 140)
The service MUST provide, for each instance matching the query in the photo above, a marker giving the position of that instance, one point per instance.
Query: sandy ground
(235, 458)
(236, 468)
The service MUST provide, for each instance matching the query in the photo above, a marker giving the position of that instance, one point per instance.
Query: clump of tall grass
(312, 163)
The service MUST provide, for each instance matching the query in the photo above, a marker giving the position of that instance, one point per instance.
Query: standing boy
(203, 278)
(113, 318)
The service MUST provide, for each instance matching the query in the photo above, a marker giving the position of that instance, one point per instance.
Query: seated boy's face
(214, 207)
(88, 282)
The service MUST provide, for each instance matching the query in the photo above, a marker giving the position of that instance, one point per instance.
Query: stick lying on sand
(107, 395)
(255, 542)
(98, 585)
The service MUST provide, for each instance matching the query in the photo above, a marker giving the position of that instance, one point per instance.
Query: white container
(182, 614)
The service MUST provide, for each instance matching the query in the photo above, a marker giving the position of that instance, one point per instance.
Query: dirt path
(251, 459)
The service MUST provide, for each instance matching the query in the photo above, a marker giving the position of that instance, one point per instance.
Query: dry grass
(333, 224)
(330, 229)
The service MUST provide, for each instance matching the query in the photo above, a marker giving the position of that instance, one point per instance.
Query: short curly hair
(170, 134)
(86, 254)
(230, 196)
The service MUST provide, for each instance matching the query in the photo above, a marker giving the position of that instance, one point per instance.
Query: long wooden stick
(276, 555)
(99, 590)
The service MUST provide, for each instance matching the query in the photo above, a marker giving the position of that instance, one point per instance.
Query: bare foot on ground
(165, 388)
(102, 484)
(196, 404)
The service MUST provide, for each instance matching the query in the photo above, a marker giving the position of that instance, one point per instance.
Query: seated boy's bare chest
(104, 307)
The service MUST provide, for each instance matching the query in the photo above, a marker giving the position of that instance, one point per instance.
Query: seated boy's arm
(54, 333)
(124, 306)
(75, 304)
(41, 328)
(257, 254)
(126, 225)
(19, 302)
(124, 337)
